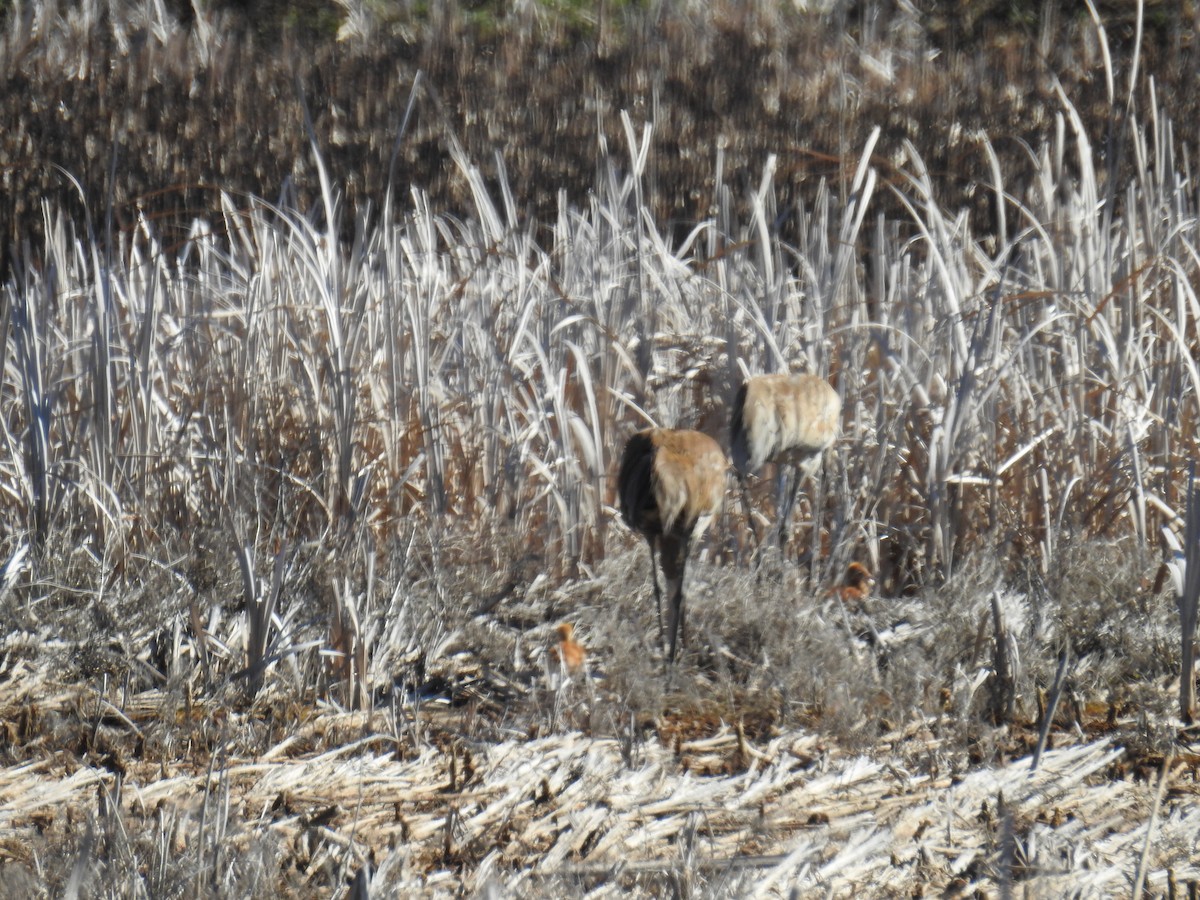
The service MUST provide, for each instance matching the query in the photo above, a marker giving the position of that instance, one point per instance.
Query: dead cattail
(671, 483)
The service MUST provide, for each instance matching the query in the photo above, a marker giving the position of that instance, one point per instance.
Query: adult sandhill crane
(785, 419)
(671, 482)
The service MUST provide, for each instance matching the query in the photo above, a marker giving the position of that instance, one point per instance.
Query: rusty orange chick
(568, 652)
(856, 586)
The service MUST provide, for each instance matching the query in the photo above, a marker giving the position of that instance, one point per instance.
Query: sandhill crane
(785, 419)
(568, 653)
(856, 585)
(671, 482)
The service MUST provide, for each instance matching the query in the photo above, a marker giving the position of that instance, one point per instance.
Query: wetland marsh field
(323, 330)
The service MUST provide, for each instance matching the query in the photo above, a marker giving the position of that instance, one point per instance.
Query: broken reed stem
(1060, 680)
(1189, 603)
(1140, 880)
(1003, 687)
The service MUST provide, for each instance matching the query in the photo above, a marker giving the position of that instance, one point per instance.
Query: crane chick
(785, 419)
(856, 587)
(567, 653)
(670, 485)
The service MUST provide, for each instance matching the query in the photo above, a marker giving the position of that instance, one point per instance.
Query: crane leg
(674, 556)
(788, 503)
(657, 589)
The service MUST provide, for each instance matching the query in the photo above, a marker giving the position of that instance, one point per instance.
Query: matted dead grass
(175, 791)
(853, 766)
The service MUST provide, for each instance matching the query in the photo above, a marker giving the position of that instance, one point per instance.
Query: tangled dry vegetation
(296, 493)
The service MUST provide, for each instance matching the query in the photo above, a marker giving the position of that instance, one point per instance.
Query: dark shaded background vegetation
(158, 124)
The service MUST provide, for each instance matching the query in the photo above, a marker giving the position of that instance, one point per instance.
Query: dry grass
(293, 502)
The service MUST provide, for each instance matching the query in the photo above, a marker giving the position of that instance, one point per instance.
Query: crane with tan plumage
(670, 485)
(786, 419)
